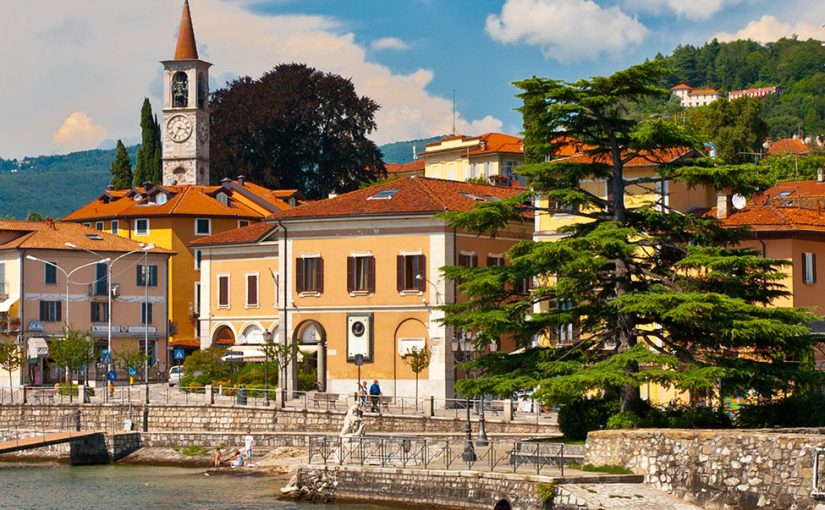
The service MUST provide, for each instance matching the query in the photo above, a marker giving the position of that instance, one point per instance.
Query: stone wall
(430, 489)
(737, 468)
(109, 418)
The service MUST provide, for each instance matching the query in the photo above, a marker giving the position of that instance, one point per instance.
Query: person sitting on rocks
(237, 460)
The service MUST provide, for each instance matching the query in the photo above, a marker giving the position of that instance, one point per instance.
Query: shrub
(802, 410)
(207, 362)
(196, 451)
(698, 418)
(624, 420)
(195, 387)
(307, 381)
(611, 469)
(581, 416)
(253, 373)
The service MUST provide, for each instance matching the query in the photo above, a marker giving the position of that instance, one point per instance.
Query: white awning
(38, 347)
(244, 353)
(6, 305)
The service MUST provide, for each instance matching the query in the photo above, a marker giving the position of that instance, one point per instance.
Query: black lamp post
(482, 431)
(469, 454)
(267, 338)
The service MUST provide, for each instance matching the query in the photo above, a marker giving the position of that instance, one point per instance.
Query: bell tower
(185, 126)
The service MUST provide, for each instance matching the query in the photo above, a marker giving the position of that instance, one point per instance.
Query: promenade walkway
(617, 496)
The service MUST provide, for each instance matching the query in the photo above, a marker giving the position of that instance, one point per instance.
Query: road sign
(359, 359)
(107, 358)
(178, 354)
(132, 371)
(111, 375)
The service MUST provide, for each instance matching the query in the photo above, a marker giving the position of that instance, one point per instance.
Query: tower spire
(186, 48)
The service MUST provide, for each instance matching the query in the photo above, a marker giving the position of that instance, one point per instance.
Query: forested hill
(797, 66)
(57, 185)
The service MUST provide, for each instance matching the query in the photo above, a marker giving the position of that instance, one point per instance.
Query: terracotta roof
(411, 195)
(682, 86)
(186, 48)
(489, 143)
(244, 235)
(698, 92)
(789, 146)
(644, 159)
(403, 168)
(245, 201)
(773, 218)
(49, 235)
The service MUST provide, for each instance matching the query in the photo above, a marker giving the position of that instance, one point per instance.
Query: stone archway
(312, 337)
(223, 336)
(503, 504)
(252, 334)
(409, 332)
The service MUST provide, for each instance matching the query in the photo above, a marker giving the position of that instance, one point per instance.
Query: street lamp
(267, 338)
(420, 277)
(109, 265)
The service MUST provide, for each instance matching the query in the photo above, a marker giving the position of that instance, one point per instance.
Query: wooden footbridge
(41, 440)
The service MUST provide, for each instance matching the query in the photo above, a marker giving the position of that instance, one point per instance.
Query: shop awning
(185, 343)
(38, 347)
(244, 354)
(8, 306)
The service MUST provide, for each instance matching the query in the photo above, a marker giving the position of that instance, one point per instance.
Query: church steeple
(186, 48)
(185, 130)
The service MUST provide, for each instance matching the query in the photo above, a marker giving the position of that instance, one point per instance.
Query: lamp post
(267, 338)
(146, 275)
(482, 430)
(420, 277)
(109, 265)
(460, 347)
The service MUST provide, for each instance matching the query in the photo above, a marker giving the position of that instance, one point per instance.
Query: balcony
(9, 325)
(4, 291)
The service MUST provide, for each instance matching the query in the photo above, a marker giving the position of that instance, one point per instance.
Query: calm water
(46, 486)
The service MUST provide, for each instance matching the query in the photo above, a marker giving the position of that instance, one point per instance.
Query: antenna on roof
(453, 112)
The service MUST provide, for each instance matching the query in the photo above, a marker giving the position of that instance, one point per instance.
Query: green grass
(609, 469)
(196, 451)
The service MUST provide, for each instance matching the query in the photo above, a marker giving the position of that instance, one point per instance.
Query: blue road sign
(111, 375)
(178, 354)
(132, 371)
(106, 357)
(359, 359)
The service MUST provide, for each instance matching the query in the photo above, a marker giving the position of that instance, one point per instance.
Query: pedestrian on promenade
(364, 393)
(375, 391)
(247, 443)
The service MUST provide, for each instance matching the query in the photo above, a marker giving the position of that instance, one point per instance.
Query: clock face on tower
(179, 128)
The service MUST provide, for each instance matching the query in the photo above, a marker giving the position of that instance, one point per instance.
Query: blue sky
(82, 68)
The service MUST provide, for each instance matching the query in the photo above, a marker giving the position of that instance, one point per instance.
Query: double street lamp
(109, 264)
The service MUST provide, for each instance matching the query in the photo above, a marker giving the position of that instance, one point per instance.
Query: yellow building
(493, 156)
(357, 274)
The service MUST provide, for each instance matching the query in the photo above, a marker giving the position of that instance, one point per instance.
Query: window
(161, 198)
(100, 311)
(198, 256)
(146, 275)
(3, 286)
(203, 226)
(101, 279)
(50, 273)
(50, 311)
(495, 260)
(809, 268)
(146, 313)
(115, 226)
(361, 274)
(384, 194)
(99, 225)
(222, 198)
(180, 90)
(558, 207)
(252, 290)
(223, 291)
(87, 224)
(243, 223)
(563, 333)
(141, 227)
(467, 260)
(475, 169)
(409, 268)
(197, 304)
(508, 168)
(309, 274)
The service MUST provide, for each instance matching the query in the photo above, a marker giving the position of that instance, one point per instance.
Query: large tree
(121, 168)
(295, 127)
(72, 352)
(655, 295)
(148, 161)
(11, 359)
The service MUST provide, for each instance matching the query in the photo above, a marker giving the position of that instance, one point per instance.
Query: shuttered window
(809, 268)
(309, 274)
(223, 291)
(50, 311)
(411, 273)
(252, 290)
(361, 274)
(146, 275)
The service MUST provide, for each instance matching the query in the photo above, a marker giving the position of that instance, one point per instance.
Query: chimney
(724, 205)
(241, 179)
(147, 185)
(820, 175)
(226, 182)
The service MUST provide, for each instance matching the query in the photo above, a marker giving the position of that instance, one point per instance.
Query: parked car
(175, 375)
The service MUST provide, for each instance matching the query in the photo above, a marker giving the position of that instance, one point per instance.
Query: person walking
(247, 444)
(375, 392)
(364, 393)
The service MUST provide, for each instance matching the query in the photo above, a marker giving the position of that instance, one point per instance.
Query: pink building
(757, 92)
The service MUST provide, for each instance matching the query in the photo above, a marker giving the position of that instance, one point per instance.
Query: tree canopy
(148, 165)
(121, 168)
(294, 127)
(653, 294)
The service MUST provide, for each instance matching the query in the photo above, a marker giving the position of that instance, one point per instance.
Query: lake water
(54, 486)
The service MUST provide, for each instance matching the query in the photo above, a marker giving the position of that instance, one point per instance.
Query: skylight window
(474, 197)
(384, 194)
(94, 237)
(784, 194)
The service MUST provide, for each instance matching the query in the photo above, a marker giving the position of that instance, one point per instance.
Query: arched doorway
(223, 336)
(312, 339)
(503, 505)
(252, 335)
(409, 333)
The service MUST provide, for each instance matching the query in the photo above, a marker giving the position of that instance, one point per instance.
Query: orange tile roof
(489, 143)
(698, 92)
(46, 235)
(414, 195)
(403, 168)
(186, 48)
(247, 201)
(810, 188)
(682, 86)
(789, 146)
(244, 235)
(771, 218)
(643, 159)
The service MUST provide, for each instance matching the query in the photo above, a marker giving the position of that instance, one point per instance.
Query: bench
(329, 398)
(41, 395)
(383, 401)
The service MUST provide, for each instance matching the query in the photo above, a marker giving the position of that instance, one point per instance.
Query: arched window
(222, 198)
(180, 90)
(203, 91)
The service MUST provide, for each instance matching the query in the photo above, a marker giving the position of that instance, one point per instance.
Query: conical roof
(186, 49)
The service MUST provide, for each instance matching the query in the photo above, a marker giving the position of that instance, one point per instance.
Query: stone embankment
(718, 468)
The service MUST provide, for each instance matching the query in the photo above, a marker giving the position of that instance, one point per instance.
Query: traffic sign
(106, 356)
(111, 375)
(178, 354)
(132, 371)
(359, 359)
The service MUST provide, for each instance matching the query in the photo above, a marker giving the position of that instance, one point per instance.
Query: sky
(76, 72)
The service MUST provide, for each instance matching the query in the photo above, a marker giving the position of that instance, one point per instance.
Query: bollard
(508, 410)
(81, 394)
(210, 398)
(279, 399)
(77, 420)
(429, 407)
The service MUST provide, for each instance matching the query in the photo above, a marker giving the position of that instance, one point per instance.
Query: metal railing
(444, 454)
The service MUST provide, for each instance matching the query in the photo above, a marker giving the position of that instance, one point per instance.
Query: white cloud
(566, 30)
(389, 43)
(106, 64)
(78, 132)
(693, 10)
(768, 29)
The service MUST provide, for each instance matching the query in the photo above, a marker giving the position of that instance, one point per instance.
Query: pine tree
(121, 168)
(656, 295)
(147, 166)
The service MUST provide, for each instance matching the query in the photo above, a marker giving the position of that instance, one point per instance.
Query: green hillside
(402, 152)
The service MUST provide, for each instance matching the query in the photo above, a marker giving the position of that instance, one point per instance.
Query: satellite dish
(739, 201)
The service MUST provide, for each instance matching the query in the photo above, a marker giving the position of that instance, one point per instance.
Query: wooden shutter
(813, 267)
(371, 274)
(299, 275)
(350, 274)
(153, 273)
(223, 290)
(252, 290)
(473, 261)
(320, 284)
(421, 284)
(58, 306)
(139, 275)
(43, 311)
(491, 261)
(400, 273)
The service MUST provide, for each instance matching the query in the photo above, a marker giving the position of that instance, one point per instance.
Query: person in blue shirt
(375, 391)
